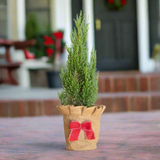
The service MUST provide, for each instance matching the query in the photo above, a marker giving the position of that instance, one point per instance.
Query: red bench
(8, 64)
(23, 45)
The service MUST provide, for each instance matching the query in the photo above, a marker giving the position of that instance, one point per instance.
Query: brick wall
(114, 102)
(129, 82)
(119, 91)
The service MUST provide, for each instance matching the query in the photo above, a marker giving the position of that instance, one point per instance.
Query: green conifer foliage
(79, 78)
(32, 27)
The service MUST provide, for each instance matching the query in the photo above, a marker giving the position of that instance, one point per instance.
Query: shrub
(79, 78)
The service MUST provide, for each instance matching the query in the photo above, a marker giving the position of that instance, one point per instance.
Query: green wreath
(116, 4)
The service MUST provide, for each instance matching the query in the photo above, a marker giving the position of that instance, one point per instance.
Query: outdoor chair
(23, 45)
(8, 64)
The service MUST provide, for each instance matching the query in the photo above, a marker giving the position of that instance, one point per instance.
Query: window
(3, 19)
(42, 11)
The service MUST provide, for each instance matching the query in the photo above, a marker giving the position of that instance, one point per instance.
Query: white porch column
(146, 64)
(16, 31)
(16, 19)
(67, 24)
(68, 20)
(61, 18)
(89, 12)
(24, 77)
(57, 14)
(12, 19)
(23, 73)
(21, 19)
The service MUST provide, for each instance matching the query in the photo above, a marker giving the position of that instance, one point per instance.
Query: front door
(116, 36)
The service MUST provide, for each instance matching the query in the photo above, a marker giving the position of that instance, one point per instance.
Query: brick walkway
(123, 136)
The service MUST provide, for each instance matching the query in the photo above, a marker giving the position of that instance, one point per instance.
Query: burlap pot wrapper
(87, 121)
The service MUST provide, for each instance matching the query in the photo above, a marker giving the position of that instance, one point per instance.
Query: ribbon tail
(89, 134)
(74, 135)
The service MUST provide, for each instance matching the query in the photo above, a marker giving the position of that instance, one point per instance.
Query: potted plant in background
(49, 48)
(33, 31)
(81, 117)
(54, 48)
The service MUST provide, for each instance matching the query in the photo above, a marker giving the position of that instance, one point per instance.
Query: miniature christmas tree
(79, 78)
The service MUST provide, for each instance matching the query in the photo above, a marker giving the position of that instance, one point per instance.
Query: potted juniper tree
(81, 117)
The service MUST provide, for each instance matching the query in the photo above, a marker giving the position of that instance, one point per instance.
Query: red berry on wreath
(111, 1)
(123, 2)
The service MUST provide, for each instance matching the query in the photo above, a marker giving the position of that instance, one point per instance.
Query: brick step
(115, 102)
(128, 82)
(130, 101)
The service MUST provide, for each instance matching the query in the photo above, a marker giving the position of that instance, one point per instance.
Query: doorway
(116, 37)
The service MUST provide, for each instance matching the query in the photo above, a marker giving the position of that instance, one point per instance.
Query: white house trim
(68, 24)
(8, 20)
(88, 8)
(21, 19)
(62, 19)
(146, 64)
(16, 19)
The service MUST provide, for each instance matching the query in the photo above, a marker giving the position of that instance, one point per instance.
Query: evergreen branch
(79, 78)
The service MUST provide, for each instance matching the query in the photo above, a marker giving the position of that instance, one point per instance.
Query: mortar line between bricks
(26, 108)
(137, 83)
(112, 87)
(42, 108)
(149, 102)
(9, 110)
(149, 83)
(36, 109)
(129, 104)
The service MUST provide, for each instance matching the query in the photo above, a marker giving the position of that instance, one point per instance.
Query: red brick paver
(123, 136)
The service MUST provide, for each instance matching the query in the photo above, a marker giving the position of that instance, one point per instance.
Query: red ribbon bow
(76, 127)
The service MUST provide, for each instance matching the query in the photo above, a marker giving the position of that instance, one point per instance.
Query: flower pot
(81, 126)
(54, 80)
